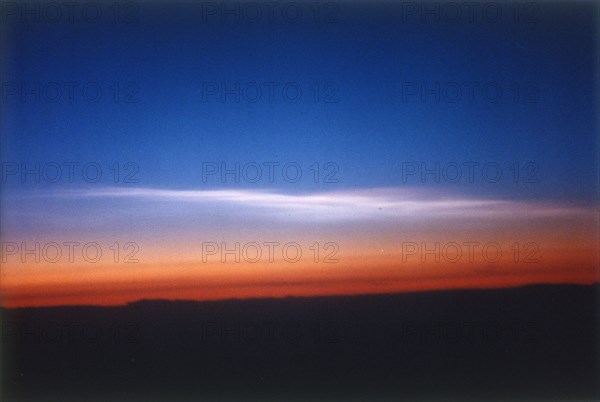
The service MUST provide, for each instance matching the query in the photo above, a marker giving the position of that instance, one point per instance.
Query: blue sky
(369, 132)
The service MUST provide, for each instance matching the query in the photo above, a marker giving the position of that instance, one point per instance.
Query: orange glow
(564, 252)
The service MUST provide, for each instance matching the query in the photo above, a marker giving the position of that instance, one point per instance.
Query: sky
(346, 147)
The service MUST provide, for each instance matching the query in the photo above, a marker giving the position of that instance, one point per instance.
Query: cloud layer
(350, 205)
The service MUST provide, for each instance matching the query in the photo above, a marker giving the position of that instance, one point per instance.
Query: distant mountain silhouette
(529, 342)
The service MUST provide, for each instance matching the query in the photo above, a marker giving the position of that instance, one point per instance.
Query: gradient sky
(371, 133)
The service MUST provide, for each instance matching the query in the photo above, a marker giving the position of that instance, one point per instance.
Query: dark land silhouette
(532, 342)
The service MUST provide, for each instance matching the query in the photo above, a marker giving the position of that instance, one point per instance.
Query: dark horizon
(319, 297)
(532, 342)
